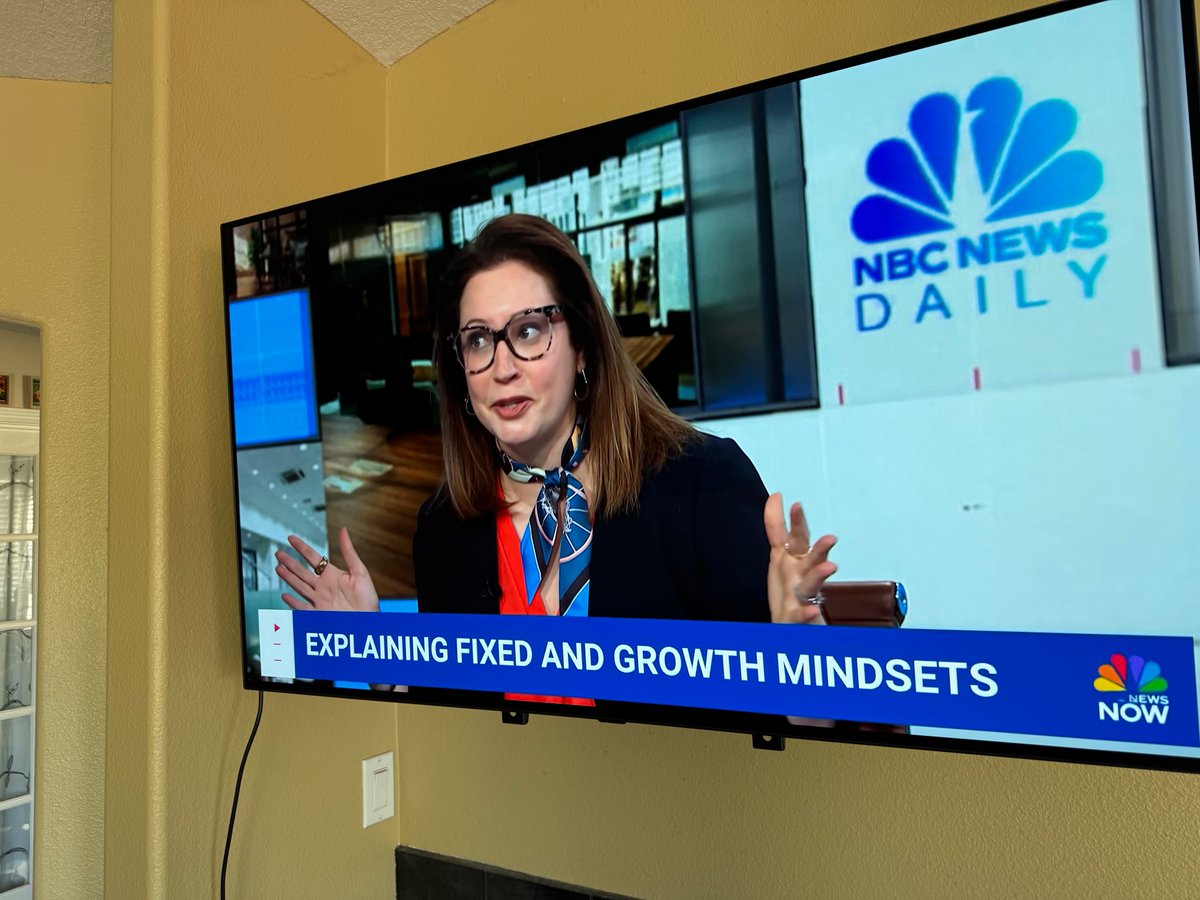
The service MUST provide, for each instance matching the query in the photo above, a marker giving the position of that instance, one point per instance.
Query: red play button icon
(276, 627)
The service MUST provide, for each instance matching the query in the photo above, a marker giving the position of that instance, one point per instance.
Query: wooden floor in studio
(378, 506)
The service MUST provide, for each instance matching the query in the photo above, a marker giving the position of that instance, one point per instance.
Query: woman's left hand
(797, 570)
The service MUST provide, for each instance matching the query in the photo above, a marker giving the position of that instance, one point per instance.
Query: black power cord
(237, 789)
(9, 770)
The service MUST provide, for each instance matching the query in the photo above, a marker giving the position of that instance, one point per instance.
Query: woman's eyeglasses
(528, 334)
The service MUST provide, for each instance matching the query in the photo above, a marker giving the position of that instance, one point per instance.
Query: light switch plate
(378, 783)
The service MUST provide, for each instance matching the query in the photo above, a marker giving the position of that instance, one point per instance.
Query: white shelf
(14, 802)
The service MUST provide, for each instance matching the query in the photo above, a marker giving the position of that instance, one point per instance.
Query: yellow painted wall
(672, 813)
(220, 109)
(54, 204)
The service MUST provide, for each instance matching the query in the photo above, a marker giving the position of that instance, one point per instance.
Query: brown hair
(632, 433)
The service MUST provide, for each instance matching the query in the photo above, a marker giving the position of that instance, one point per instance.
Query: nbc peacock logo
(1022, 165)
(1143, 683)
(1133, 674)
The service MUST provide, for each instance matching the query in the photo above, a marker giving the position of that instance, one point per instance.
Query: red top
(513, 597)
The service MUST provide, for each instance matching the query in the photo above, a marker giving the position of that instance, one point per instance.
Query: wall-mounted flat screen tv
(944, 295)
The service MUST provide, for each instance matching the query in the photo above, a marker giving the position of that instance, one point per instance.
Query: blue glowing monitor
(270, 346)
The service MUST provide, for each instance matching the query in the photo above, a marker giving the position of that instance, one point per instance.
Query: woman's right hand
(334, 589)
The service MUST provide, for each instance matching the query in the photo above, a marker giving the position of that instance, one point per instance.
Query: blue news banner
(1107, 687)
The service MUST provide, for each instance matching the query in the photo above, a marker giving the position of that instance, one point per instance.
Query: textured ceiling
(59, 40)
(71, 40)
(389, 29)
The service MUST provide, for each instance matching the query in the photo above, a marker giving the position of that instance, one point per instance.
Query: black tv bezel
(709, 719)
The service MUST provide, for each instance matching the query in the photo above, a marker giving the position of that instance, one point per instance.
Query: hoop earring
(582, 373)
(467, 406)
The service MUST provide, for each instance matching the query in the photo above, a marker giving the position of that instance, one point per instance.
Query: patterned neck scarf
(560, 528)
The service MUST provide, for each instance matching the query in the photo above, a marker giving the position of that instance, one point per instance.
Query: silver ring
(817, 600)
(320, 567)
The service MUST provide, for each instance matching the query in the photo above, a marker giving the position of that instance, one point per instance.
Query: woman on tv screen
(569, 487)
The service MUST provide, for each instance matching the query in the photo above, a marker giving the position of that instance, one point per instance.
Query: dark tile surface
(421, 875)
(511, 886)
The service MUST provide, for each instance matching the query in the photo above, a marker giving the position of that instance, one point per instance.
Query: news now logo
(1021, 165)
(1142, 682)
(1022, 169)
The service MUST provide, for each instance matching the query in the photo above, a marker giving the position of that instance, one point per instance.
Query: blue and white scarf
(563, 493)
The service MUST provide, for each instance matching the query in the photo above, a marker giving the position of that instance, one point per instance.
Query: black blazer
(694, 549)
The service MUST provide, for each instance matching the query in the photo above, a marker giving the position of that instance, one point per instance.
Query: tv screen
(942, 295)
